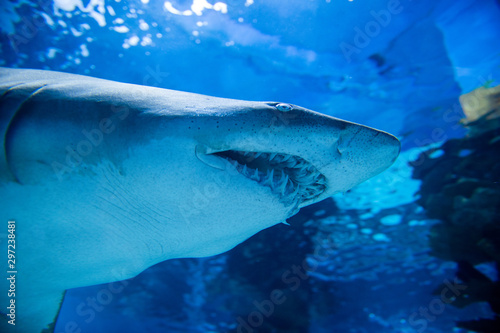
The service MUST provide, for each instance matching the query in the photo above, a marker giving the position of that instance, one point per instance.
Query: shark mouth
(291, 177)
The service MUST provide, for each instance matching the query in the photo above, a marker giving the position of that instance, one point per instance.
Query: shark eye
(284, 107)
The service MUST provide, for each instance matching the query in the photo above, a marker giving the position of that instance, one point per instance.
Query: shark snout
(360, 153)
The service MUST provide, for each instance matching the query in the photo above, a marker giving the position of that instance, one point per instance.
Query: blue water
(398, 66)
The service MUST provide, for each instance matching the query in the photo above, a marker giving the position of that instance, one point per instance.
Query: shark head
(302, 156)
(250, 165)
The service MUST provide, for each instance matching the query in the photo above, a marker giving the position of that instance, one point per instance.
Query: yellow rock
(482, 109)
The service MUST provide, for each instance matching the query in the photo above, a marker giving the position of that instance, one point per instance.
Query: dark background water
(399, 66)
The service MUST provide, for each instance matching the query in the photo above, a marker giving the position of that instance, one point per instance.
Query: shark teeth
(291, 177)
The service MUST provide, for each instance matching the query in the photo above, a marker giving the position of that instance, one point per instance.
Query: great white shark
(105, 179)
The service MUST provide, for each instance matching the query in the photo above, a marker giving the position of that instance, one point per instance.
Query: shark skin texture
(105, 179)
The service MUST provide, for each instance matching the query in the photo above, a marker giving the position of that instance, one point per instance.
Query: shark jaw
(293, 179)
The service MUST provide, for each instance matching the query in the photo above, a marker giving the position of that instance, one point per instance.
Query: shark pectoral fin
(35, 313)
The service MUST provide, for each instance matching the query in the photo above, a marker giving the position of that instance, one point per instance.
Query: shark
(101, 180)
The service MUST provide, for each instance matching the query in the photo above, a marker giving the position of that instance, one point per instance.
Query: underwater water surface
(414, 249)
